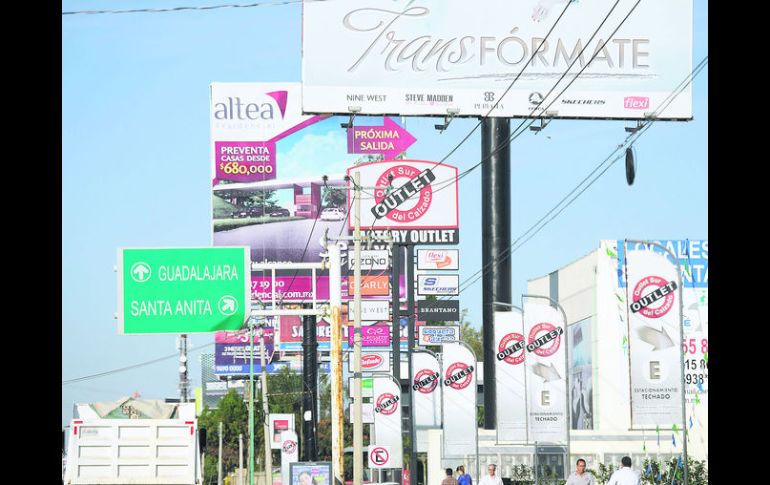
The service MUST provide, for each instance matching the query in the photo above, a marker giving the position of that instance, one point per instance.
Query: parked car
(279, 212)
(332, 214)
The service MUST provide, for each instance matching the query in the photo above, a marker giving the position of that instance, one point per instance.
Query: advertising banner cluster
(545, 363)
(438, 57)
(653, 299)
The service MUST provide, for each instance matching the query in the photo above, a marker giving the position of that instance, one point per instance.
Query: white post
(219, 466)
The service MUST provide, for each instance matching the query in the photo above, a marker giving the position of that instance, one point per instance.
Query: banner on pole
(289, 453)
(545, 363)
(458, 374)
(652, 301)
(509, 369)
(426, 389)
(387, 418)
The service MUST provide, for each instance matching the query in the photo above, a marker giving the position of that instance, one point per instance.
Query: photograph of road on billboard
(434, 57)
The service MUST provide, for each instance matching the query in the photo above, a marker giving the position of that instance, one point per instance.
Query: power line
(180, 9)
(115, 371)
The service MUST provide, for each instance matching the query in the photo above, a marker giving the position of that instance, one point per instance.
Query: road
(281, 241)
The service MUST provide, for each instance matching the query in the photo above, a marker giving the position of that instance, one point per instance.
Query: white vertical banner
(654, 332)
(546, 360)
(511, 399)
(289, 453)
(426, 389)
(458, 378)
(387, 418)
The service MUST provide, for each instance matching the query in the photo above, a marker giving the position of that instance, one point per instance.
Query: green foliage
(334, 197)
(222, 208)
(696, 471)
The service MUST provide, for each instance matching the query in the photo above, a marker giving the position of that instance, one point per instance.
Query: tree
(334, 197)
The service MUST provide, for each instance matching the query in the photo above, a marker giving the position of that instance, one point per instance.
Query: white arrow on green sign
(183, 290)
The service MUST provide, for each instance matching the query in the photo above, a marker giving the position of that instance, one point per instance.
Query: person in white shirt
(491, 478)
(581, 476)
(625, 475)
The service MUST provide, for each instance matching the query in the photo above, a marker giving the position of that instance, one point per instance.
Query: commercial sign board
(371, 285)
(232, 351)
(437, 58)
(440, 310)
(372, 361)
(371, 336)
(432, 284)
(422, 206)
(438, 259)
(183, 290)
(371, 260)
(300, 288)
(279, 423)
(438, 334)
(371, 310)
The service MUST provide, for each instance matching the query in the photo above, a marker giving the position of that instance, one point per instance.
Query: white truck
(133, 451)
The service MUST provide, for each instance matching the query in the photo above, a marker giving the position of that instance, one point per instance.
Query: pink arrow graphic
(389, 139)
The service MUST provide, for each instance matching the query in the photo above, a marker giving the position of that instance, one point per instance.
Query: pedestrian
(449, 479)
(491, 478)
(625, 475)
(580, 476)
(462, 477)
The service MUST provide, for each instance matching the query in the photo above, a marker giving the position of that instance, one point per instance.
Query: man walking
(580, 476)
(449, 479)
(625, 475)
(491, 478)
(462, 477)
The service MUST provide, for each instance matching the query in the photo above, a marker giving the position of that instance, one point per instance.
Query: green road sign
(183, 290)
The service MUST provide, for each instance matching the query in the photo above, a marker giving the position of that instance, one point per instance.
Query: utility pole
(240, 459)
(335, 302)
(310, 394)
(183, 382)
(266, 411)
(251, 401)
(358, 429)
(219, 465)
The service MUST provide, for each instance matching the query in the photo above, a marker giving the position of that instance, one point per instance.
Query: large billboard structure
(433, 57)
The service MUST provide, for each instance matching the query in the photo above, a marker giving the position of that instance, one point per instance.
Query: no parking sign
(379, 456)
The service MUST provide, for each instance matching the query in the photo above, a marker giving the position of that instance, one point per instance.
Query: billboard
(416, 197)
(311, 473)
(267, 167)
(581, 398)
(437, 57)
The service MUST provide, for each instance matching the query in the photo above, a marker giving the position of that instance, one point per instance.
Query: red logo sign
(289, 446)
(379, 456)
(424, 198)
(425, 381)
(387, 404)
(511, 348)
(458, 375)
(371, 361)
(658, 297)
(544, 339)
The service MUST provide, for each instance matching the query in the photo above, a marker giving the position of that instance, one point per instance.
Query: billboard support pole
(335, 302)
(310, 394)
(251, 401)
(396, 323)
(266, 412)
(409, 269)
(358, 428)
(496, 241)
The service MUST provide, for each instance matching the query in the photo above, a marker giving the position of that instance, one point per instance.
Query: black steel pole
(310, 396)
(408, 270)
(396, 325)
(495, 244)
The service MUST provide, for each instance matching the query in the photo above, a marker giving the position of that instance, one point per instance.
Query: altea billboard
(433, 57)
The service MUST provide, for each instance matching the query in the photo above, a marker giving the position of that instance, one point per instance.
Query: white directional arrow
(546, 372)
(228, 305)
(140, 272)
(659, 339)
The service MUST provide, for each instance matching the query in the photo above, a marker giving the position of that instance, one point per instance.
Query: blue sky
(136, 171)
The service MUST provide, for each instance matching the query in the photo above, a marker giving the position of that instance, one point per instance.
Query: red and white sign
(387, 404)
(459, 398)
(379, 456)
(419, 195)
(372, 361)
(371, 285)
(387, 419)
(509, 372)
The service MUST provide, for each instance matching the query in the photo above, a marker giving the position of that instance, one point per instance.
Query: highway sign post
(183, 290)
